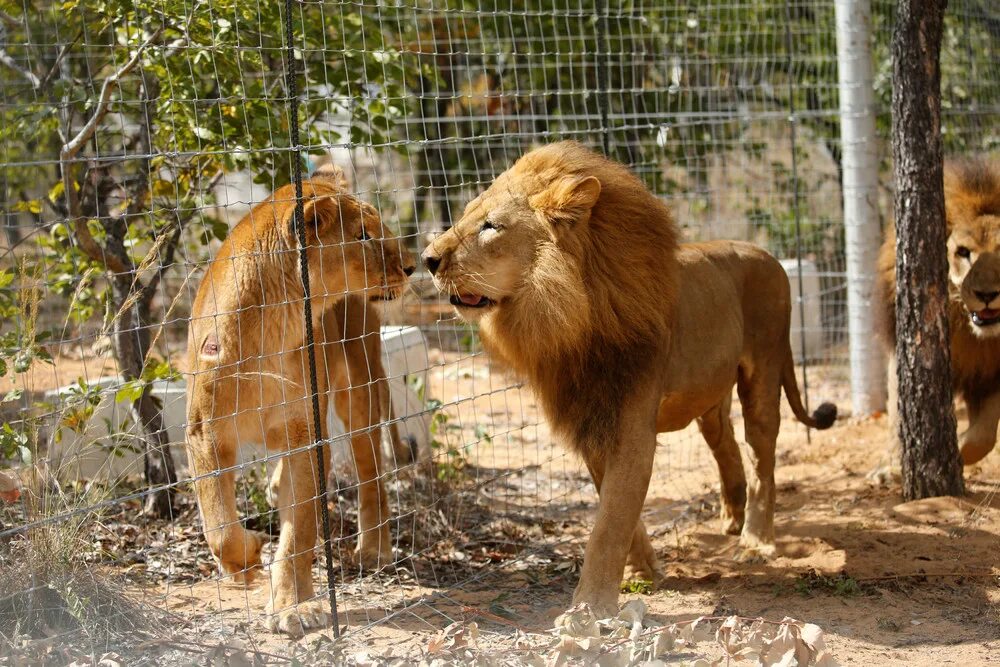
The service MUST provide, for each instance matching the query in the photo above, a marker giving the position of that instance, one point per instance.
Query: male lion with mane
(572, 269)
(247, 361)
(972, 215)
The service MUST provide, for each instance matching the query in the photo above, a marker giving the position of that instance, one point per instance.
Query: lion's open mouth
(986, 317)
(470, 301)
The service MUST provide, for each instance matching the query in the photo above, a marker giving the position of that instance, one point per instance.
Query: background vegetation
(121, 120)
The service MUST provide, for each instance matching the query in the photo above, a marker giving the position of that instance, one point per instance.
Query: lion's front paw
(298, 618)
(974, 450)
(603, 602)
(752, 551)
(240, 555)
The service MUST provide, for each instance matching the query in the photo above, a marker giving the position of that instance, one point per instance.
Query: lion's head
(349, 248)
(561, 242)
(257, 270)
(507, 236)
(972, 206)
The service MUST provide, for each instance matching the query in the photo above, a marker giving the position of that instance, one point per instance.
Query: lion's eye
(487, 225)
(962, 251)
(364, 235)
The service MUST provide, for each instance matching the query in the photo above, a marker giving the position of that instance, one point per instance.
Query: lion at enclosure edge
(972, 216)
(572, 269)
(248, 380)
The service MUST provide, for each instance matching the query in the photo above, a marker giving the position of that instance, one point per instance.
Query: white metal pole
(860, 184)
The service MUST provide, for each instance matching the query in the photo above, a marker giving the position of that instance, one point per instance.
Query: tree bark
(132, 341)
(927, 431)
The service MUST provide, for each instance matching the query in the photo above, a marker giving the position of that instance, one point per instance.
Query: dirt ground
(888, 582)
(500, 541)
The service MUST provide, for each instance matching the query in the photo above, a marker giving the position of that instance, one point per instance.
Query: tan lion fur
(573, 271)
(972, 214)
(249, 383)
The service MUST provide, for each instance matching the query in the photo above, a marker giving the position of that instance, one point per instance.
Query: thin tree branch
(59, 58)
(10, 63)
(170, 248)
(72, 148)
(10, 20)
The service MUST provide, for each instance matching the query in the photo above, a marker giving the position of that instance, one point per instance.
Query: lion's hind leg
(212, 448)
(760, 396)
(717, 429)
(356, 409)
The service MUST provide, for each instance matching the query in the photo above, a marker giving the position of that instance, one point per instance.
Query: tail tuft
(825, 415)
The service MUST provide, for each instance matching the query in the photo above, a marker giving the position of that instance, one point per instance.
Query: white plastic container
(811, 309)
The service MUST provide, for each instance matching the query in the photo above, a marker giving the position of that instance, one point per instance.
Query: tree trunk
(132, 339)
(931, 465)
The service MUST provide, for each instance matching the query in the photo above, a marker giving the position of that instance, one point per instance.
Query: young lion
(972, 214)
(249, 380)
(572, 269)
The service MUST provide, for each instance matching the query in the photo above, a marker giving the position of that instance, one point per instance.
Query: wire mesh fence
(134, 138)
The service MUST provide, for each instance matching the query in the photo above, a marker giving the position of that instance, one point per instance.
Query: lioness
(249, 379)
(972, 214)
(572, 269)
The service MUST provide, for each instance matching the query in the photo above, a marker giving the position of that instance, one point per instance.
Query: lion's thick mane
(597, 309)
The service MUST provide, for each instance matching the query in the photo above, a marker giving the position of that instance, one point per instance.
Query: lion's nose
(986, 297)
(431, 261)
(408, 270)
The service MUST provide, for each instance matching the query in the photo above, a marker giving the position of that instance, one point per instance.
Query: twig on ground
(501, 620)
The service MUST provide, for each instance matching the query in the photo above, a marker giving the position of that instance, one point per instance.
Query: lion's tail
(822, 417)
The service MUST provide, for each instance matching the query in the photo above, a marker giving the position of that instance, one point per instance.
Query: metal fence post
(860, 188)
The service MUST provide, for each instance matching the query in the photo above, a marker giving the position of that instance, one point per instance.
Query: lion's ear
(568, 199)
(318, 213)
(333, 173)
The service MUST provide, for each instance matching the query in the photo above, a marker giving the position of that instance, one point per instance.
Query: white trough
(95, 453)
(811, 309)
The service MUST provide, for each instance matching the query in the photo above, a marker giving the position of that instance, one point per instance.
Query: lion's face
(351, 250)
(974, 270)
(504, 236)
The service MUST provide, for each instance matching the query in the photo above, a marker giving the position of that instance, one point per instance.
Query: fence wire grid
(134, 136)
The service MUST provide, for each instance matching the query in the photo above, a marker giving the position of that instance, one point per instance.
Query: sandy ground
(889, 582)
(501, 540)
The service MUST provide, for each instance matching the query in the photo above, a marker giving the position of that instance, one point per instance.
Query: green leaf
(130, 392)
(22, 361)
(482, 433)
(56, 191)
(33, 206)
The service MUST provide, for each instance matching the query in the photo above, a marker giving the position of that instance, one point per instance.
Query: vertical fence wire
(601, 63)
(792, 122)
